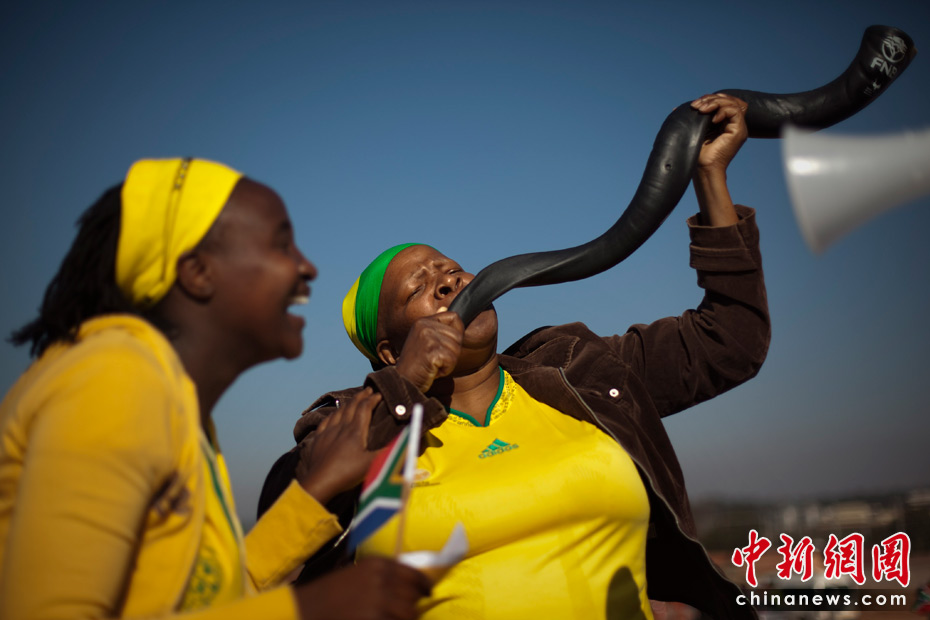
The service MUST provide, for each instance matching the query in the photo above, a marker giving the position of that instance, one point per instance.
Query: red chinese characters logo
(798, 559)
(844, 557)
(890, 559)
(750, 554)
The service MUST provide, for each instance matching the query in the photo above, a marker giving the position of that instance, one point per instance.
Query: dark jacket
(624, 385)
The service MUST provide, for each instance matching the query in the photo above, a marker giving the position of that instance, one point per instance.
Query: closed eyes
(414, 292)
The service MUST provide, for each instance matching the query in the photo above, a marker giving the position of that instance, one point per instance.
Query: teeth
(443, 309)
(300, 300)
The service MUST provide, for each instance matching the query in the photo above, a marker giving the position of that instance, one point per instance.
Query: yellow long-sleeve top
(115, 504)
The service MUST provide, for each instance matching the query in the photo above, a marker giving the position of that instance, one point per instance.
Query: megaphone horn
(838, 183)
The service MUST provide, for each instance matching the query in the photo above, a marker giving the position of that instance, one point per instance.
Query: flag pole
(410, 467)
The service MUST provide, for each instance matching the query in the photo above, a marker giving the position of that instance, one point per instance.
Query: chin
(483, 329)
(292, 350)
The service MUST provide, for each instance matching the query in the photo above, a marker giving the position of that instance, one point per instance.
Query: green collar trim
(487, 415)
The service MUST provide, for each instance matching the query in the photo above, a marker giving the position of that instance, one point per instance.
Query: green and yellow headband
(168, 205)
(360, 306)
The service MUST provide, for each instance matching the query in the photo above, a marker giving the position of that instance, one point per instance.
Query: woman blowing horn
(553, 454)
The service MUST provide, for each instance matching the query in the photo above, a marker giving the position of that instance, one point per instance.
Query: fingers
(337, 457)
(326, 422)
(707, 103)
(418, 580)
(402, 578)
(400, 586)
(724, 107)
(333, 419)
(357, 403)
(432, 349)
(374, 588)
(356, 413)
(728, 114)
(443, 345)
(452, 319)
(730, 111)
(449, 330)
(444, 328)
(360, 409)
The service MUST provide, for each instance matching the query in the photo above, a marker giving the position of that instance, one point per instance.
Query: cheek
(254, 278)
(416, 310)
(403, 313)
(398, 327)
(273, 269)
(419, 308)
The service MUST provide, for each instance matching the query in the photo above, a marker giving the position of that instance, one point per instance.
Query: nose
(305, 268)
(448, 284)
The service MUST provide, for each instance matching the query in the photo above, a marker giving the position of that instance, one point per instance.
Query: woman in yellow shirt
(114, 496)
(552, 455)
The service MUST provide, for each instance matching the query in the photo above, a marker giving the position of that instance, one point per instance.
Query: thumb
(452, 319)
(364, 417)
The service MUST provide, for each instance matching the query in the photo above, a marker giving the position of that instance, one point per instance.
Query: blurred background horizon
(489, 129)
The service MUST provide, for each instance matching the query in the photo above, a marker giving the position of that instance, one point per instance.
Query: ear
(195, 276)
(385, 352)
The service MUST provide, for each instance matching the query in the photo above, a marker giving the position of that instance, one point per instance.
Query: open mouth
(300, 298)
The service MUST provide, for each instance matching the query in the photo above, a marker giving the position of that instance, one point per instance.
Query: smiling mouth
(300, 297)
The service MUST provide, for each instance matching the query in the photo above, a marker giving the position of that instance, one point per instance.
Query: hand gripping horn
(884, 53)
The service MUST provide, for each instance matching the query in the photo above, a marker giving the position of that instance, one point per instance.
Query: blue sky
(489, 129)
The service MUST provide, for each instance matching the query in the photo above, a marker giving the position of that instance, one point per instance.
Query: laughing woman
(114, 496)
(553, 454)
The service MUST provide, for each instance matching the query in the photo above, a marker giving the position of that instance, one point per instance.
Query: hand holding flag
(387, 490)
(383, 493)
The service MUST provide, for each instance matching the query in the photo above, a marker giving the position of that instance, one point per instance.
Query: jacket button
(614, 392)
(400, 410)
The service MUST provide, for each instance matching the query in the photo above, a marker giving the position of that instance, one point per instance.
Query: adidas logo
(497, 447)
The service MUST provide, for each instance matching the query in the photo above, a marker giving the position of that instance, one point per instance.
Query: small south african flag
(382, 492)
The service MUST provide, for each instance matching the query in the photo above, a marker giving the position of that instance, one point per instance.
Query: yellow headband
(351, 324)
(168, 205)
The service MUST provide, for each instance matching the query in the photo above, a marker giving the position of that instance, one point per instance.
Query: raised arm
(723, 342)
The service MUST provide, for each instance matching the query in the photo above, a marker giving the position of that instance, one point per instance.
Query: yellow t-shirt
(219, 574)
(555, 512)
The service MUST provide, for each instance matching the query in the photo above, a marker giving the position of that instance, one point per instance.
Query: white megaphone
(837, 183)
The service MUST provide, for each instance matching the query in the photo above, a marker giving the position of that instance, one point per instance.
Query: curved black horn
(884, 53)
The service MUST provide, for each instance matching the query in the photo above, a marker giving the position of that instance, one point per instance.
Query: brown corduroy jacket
(624, 385)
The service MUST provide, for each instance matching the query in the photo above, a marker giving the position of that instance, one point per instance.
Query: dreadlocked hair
(85, 285)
